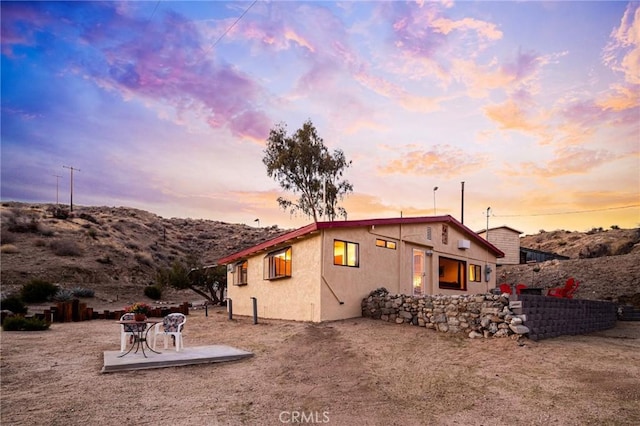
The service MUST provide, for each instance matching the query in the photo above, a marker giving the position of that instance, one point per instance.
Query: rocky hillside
(117, 250)
(597, 242)
(109, 249)
(605, 262)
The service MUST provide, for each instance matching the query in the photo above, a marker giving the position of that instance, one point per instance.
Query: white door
(419, 272)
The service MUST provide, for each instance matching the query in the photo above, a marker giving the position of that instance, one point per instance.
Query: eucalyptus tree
(302, 164)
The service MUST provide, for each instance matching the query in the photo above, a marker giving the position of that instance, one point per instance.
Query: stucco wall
(377, 266)
(293, 298)
(321, 291)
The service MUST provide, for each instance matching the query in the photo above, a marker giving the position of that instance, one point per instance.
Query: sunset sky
(166, 106)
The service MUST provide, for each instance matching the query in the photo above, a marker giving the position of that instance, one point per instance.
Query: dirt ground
(358, 371)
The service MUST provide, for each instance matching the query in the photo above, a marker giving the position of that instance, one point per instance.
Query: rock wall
(492, 315)
(484, 315)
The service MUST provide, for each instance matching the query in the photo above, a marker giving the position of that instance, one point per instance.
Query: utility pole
(487, 233)
(435, 188)
(462, 204)
(71, 169)
(57, 182)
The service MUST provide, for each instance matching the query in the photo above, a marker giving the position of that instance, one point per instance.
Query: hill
(605, 261)
(116, 251)
(597, 242)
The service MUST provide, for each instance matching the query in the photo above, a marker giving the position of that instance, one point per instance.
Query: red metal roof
(482, 231)
(317, 226)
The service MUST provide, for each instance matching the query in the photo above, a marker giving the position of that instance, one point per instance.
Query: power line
(571, 212)
(234, 24)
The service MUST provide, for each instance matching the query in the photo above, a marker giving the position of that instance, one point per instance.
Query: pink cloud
(511, 116)
(485, 30)
(622, 53)
(566, 161)
(436, 161)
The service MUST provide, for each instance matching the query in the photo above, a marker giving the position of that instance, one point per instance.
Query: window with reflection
(346, 253)
(452, 274)
(277, 264)
(240, 275)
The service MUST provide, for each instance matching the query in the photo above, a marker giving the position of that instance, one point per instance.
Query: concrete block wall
(547, 317)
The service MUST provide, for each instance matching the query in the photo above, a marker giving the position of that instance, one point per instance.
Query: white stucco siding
(318, 290)
(415, 237)
(378, 267)
(293, 298)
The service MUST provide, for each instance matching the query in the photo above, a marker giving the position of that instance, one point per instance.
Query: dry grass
(358, 371)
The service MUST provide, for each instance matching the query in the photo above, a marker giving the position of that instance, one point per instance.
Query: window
(452, 274)
(475, 273)
(429, 233)
(240, 273)
(386, 244)
(346, 253)
(277, 264)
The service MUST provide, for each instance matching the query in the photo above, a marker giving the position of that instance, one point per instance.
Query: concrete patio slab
(171, 358)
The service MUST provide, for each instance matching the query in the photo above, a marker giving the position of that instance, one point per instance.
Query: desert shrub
(38, 291)
(133, 246)
(9, 249)
(177, 276)
(144, 259)
(615, 227)
(14, 304)
(66, 248)
(92, 233)
(45, 232)
(23, 224)
(83, 292)
(7, 237)
(39, 242)
(63, 295)
(59, 212)
(18, 323)
(88, 218)
(153, 292)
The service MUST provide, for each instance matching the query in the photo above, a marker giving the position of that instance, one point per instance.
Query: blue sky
(166, 106)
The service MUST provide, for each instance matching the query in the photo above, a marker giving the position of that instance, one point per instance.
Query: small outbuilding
(324, 270)
(507, 240)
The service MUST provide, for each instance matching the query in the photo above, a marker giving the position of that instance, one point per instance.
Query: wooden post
(75, 310)
(68, 312)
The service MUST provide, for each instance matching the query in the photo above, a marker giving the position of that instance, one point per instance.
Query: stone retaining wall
(490, 315)
(483, 315)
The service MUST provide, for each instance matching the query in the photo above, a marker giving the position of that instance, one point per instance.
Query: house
(507, 240)
(323, 271)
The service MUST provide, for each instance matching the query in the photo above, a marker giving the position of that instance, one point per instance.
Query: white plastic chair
(128, 331)
(171, 325)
